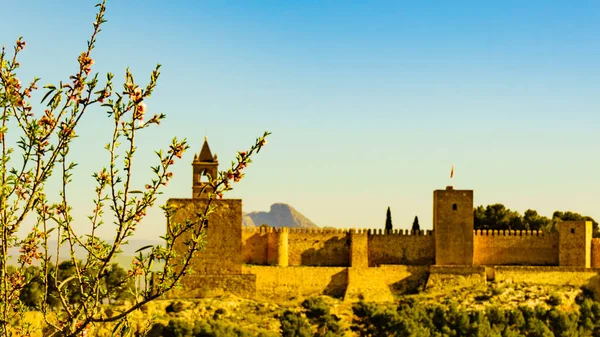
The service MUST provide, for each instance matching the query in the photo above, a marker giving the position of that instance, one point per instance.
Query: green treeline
(412, 319)
(116, 286)
(498, 217)
(408, 318)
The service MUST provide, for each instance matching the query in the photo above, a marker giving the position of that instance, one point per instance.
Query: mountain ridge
(279, 215)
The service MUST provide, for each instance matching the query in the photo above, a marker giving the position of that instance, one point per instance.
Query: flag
(452, 172)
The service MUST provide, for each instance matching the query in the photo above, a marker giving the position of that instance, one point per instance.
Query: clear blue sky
(370, 102)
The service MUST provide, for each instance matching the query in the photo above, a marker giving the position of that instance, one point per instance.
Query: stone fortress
(372, 264)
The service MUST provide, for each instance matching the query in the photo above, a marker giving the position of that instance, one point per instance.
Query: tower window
(454, 207)
(572, 230)
(204, 176)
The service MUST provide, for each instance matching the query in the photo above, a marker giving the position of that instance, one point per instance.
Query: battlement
(405, 232)
(368, 231)
(266, 229)
(494, 232)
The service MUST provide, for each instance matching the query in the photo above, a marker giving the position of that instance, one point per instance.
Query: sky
(370, 102)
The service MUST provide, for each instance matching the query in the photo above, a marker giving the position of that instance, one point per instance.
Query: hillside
(280, 215)
(494, 309)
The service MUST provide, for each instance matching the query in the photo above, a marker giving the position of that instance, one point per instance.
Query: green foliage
(175, 307)
(178, 327)
(554, 300)
(294, 325)
(319, 315)
(414, 319)
(415, 225)
(571, 216)
(388, 220)
(498, 217)
(315, 307)
(116, 286)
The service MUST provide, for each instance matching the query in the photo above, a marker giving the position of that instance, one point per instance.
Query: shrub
(178, 328)
(175, 307)
(497, 290)
(554, 300)
(315, 307)
(294, 325)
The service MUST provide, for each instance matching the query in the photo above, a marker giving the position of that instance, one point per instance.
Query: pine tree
(415, 226)
(388, 221)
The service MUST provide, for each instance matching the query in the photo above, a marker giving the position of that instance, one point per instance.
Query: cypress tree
(388, 221)
(415, 226)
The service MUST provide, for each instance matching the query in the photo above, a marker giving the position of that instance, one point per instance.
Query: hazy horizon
(370, 104)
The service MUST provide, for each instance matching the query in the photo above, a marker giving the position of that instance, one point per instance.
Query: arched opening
(454, 207)
(203, 178)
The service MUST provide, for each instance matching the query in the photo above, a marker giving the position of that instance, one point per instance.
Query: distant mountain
(280, 215)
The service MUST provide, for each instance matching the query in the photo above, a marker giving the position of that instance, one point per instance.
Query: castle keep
(373, 264)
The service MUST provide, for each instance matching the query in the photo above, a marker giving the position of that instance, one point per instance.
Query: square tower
(575, 244)
(453, 226)
(222, 253)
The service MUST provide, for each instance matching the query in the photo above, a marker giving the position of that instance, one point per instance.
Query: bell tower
(204, 165)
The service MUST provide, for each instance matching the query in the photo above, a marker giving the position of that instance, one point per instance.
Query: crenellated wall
(305, 247)
(332, 247)
(255, 245)
(492, 247)
(319, 247)
(401, 247)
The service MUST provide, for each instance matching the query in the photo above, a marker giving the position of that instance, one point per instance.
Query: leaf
(144, 248)
(46, 95)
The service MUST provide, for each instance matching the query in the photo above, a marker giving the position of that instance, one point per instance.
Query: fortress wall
(286, 282)
(320, 247)
(401, 248)
(402, 279)
(453, 276)
(380, 284)
(514, 248)
(254, 246)
(201, 286)
(573, 276)
(595, 253)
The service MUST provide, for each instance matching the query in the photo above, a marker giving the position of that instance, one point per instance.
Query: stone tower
(575, 244)
(204, 164)
(218, 266)
(453, 226)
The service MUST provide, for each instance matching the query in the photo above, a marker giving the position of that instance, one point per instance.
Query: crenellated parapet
(494, 232)
(321, 231)
(263, 230)
(515, 247)
(267, 229)
(406, 232)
